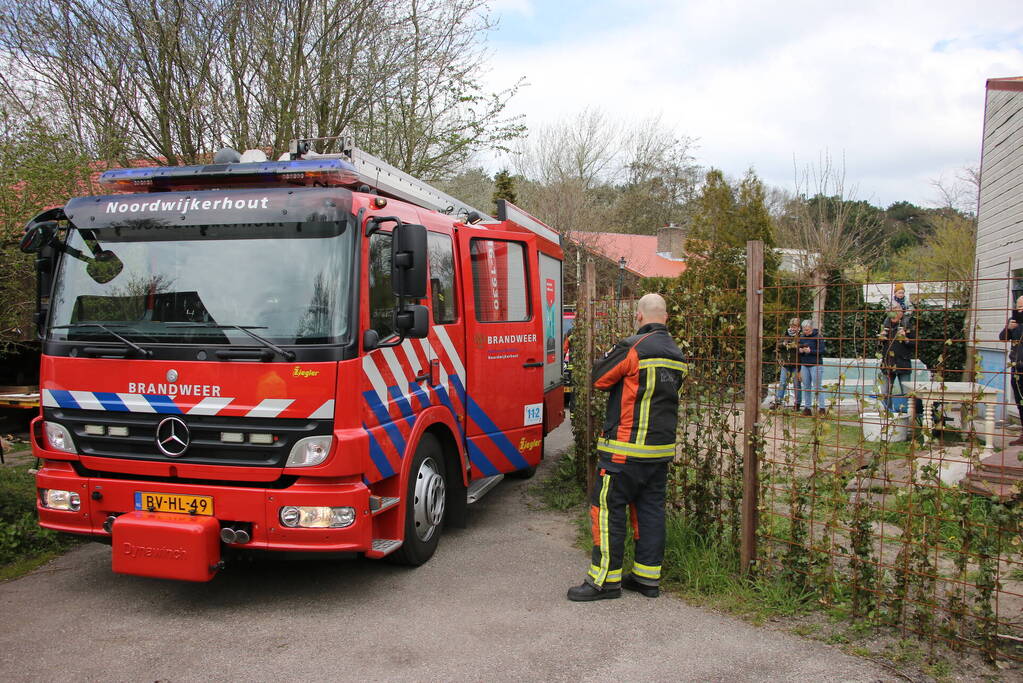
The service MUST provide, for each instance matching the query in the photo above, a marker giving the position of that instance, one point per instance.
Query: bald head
(651, 309)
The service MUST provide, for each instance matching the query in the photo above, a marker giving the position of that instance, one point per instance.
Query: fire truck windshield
(287, 281)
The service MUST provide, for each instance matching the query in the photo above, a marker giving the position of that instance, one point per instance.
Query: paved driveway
(489, 606)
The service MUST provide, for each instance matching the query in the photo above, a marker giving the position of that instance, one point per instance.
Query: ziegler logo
(525, 445)
(299, 372)
(154, 551)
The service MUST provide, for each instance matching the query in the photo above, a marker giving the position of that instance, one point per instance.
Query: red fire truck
(316, 354)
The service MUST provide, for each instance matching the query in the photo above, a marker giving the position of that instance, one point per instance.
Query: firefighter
(643, 375)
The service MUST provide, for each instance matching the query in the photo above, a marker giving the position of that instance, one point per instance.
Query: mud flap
(166, 546)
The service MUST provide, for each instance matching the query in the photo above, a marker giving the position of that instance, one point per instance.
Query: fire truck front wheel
(424, 508)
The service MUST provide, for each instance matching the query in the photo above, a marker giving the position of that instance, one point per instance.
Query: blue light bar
(301, 171)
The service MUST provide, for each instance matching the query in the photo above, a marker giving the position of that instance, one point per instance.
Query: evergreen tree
(714, 214)
(753, 221)
(504, 187)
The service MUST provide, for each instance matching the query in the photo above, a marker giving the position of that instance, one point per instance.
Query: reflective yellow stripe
(646, 571)
(605, 545)
(636, 450)
(644, 405)
(664, 363)
(614, 576)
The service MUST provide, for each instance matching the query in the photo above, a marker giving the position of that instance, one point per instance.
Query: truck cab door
(504, 350)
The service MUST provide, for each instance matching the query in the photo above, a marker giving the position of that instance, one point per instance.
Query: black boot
(586, 593)
(629, 583)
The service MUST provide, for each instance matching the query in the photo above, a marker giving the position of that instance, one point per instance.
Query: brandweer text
(174, 389)
(511, 339)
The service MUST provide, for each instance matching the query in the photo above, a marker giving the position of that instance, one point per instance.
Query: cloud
(897, 89)
(508, 7)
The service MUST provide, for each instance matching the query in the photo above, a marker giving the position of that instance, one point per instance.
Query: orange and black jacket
(643, 374)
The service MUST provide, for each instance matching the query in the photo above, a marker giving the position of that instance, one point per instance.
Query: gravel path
(489, 606)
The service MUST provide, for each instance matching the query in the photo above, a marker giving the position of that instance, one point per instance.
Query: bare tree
(829, 227)
(960, 193)
(591, 173)
(585, 148)
(173, 80)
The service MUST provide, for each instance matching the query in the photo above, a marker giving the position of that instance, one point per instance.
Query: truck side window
(381, 294)
(442, 278)
(500, 285)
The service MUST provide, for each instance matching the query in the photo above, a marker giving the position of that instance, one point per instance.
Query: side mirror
(408, 260)
(37, 236)
(412, 322)
(104, 266)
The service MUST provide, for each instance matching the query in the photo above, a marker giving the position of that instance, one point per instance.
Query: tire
(425, 501)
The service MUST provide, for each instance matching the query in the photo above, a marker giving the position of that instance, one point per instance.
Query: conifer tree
(504, 187)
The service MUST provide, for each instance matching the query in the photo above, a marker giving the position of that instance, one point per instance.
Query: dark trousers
(640, 486)
(893, 377)
(1017, 392)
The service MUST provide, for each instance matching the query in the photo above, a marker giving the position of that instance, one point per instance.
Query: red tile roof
(640, 252)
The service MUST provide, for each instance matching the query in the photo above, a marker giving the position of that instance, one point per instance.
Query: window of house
(442, 278)
(500, 284)
(1017, 284)
(381, 294)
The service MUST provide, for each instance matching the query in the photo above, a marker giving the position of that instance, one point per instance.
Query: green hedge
(20, 533)
(851, 325)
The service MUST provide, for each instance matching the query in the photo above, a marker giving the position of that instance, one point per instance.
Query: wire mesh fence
(887, 443)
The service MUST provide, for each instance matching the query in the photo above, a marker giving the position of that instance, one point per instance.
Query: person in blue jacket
(811, 352)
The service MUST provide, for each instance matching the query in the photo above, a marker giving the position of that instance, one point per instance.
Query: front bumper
(256, 508)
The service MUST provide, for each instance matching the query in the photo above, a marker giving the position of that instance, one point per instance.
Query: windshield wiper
(146, 353)
(247, 329)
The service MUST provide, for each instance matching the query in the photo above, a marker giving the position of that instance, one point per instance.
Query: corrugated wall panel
(1000, 221)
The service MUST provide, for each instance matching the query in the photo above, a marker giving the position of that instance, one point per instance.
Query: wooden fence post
(589, 291)
(751, 411)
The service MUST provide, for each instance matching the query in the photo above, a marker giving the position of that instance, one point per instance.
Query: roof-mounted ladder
(387, 179)
(394, 182)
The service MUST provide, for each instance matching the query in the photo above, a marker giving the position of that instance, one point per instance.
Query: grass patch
(560, 490)
(699, 569)
(708, 571)
(24, 545)
(805, 630)
(837, 435)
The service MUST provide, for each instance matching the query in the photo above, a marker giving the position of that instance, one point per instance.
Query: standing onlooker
(898, 346)
(787, 352)
(1013, 333)
(811, 350)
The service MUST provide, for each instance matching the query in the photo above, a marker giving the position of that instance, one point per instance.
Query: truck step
(482, 487)
(378, 504)
(383, 546)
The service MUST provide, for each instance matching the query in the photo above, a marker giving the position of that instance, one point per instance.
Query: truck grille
(205, 446)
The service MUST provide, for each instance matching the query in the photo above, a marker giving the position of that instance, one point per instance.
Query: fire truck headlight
(58, 437)
(310, 451)
(309, 517)
(55, 499)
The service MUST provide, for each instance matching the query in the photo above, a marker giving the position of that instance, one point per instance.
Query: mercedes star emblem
(172, 375)
(172, 437)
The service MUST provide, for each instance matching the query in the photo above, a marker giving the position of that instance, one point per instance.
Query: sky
(893, 88)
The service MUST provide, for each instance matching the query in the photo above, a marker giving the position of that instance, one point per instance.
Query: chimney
(671, 241)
